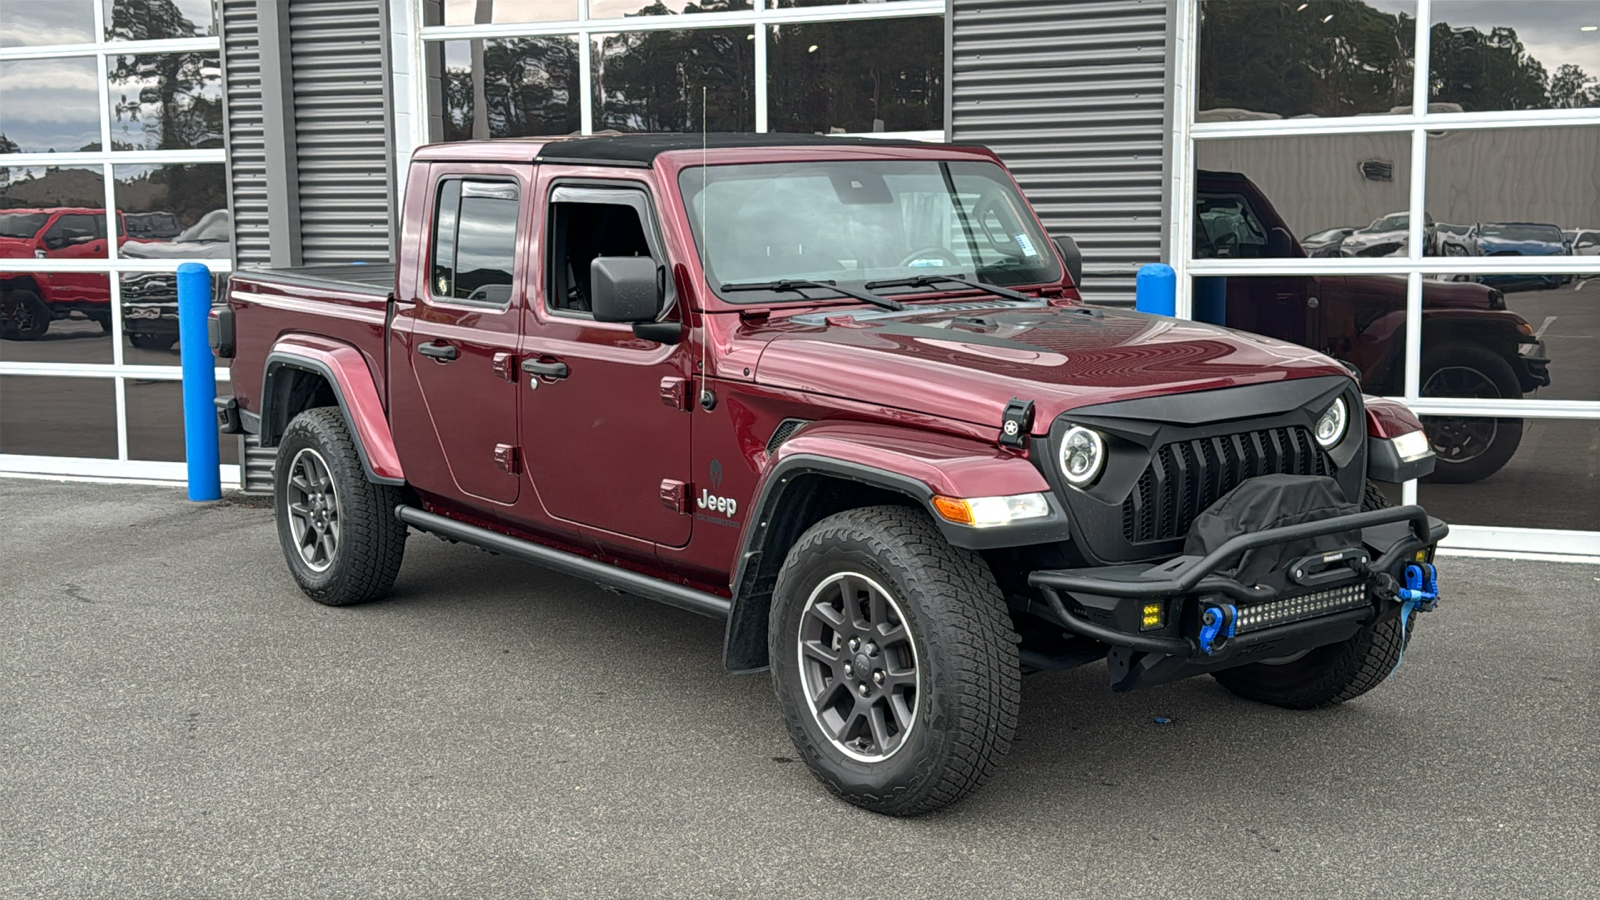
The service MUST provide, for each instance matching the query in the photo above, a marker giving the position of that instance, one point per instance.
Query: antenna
(708, 400)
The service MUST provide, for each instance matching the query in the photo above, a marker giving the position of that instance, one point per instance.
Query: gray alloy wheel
(858, 665)
(313, 510)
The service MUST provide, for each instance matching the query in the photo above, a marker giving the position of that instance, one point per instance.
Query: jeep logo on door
(711, 502)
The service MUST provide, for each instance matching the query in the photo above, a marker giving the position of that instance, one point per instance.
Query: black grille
(1185, 477)
(780, 434)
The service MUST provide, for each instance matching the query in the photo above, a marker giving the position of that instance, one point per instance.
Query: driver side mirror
(629, 290)
(1072, 256)
(1280, 244)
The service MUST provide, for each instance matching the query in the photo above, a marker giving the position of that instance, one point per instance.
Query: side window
(73, 228)
(1225, 227)
(586, 223)
(473, 252)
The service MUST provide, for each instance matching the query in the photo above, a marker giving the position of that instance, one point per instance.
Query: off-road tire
(1372, 498)
(371, 540)
(1494, 368)
(968, 675)
(23, 316)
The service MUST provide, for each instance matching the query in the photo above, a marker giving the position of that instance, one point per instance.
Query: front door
(601, 423)
(463, 334)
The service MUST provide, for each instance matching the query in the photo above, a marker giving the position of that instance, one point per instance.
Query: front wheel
(23, 316)
(893, 660)
(338, 530)
(1469, 449)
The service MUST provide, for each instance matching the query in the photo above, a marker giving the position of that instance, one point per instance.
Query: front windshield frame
(1521, 231)
(888, 186)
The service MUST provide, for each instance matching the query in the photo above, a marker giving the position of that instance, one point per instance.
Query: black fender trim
(745, 643)
(280, 360)
(568, 564)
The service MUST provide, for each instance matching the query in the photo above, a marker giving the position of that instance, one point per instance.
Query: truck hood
(967, 363)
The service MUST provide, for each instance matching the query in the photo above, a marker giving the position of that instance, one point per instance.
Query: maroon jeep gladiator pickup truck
(845, 395)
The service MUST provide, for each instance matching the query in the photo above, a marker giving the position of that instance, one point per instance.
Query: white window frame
(112, 266)
(1538, 542)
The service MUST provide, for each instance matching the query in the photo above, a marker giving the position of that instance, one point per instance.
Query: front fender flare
(910, 463)
(345, 370)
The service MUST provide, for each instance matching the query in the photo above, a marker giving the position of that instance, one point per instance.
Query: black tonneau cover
(355, 278)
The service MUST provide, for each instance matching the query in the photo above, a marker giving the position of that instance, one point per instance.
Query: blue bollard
(199, 383)
(1156, 290)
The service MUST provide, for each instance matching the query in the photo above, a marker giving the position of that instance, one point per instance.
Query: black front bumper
(1151, 616)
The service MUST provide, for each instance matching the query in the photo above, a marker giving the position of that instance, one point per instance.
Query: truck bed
(355, 278)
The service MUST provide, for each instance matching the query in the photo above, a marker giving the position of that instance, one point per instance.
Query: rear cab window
(473, 247)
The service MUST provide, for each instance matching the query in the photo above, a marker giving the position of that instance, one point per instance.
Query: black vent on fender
(783, 432)
(1186, 477)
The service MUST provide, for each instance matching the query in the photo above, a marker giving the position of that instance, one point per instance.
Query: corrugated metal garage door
(247, 163)
(1070, 93)
(340, 90)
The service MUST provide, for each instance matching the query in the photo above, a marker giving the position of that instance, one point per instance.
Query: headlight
(987, 512)
(1083, 455)
(1330, 428)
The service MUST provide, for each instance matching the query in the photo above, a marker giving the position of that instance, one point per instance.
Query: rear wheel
(894, 661)
(338, 530)
(23, 316)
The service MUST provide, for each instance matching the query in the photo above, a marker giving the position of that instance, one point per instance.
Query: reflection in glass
(45, 187)
(1305, 185)
(1528, 54)
(1513, 191)
(155, 423)
(510, 87)
(617, 9)
(652, 81)
(33, 23)
(875, 75)
(790, 4)
(156, 20)
(49, 105)
(1269, 59)
(165, 101)
(57, 317)
(161, 204)
(1552, 480)
(53, 416)
(1542, 335)
(500, 12)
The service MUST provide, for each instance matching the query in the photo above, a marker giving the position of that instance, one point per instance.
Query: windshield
(854, 222)
(1515, 232)
(21, 225)
(1328, 235)
(213, 226)
(1391, 223)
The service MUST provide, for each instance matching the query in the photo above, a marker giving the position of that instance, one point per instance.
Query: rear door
(607, 434)
(462, 322)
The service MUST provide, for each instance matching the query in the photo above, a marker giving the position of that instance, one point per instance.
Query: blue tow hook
(1214, 621)
(1421, 594)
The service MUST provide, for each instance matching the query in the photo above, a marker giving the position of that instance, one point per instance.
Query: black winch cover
(1270, 501)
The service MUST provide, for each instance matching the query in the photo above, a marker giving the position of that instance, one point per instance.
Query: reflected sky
(1549, 29)
(49, 104)
(31, 23)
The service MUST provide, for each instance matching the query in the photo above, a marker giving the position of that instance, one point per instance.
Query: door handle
(439, 350)
(545, 370)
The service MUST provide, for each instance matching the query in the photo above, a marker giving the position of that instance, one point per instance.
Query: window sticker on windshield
(1026, 245)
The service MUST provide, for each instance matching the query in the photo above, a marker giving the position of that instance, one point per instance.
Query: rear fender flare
(885, 459)
(345, 370)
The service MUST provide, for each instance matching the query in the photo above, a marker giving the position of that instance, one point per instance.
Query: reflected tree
(175, 98)
(526, 86)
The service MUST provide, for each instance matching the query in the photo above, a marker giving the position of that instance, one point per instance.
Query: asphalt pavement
(177, 720)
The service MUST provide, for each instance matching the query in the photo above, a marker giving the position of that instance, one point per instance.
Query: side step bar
(569, 564)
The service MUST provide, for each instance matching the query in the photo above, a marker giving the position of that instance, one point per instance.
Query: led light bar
(1305, 606)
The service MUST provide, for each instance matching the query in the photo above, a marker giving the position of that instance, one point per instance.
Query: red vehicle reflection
(29, 302)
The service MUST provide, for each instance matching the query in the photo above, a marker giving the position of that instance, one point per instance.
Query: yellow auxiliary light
(1152, 616)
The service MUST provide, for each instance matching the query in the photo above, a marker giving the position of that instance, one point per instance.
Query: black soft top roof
(642, 149)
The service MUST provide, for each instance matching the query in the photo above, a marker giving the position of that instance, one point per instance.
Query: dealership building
(1412, 186)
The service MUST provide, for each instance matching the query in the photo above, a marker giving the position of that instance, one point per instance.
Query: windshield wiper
(799, 284)
(927, 281)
